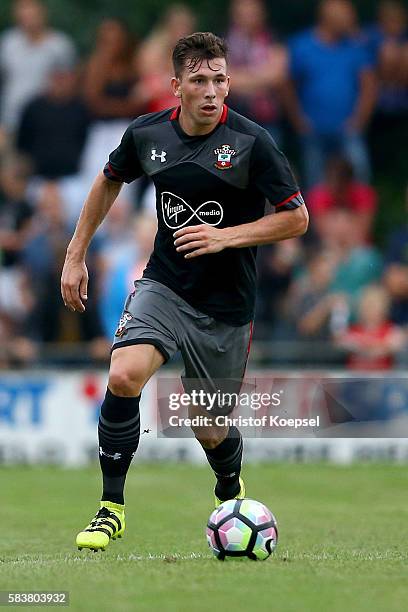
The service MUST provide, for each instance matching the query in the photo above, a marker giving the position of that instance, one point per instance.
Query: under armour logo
(114, 457)
(177, 212)
(161, 156)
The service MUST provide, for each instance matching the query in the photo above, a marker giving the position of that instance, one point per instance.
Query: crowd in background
(62, 114)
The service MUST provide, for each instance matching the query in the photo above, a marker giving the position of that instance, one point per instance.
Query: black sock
(118, 432)
(225, 459)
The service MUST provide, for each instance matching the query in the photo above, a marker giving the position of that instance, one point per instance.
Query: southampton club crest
(124, 319)
(224, 155)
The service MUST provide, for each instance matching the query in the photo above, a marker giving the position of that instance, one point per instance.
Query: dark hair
(191, 50)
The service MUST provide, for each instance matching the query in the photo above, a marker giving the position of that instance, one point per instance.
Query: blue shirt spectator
(331, 94)
(327, 76)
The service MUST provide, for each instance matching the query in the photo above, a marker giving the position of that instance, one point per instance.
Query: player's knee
(125, 382)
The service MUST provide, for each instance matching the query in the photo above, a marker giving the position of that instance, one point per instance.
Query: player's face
(202, 93)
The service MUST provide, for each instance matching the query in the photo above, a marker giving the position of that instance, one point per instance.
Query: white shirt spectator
(25, 66)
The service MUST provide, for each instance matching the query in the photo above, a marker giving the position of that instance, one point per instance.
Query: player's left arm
(269, 173)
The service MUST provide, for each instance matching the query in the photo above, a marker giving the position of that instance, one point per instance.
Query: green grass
(343, 540)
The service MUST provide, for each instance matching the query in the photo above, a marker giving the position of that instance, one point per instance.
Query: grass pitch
(343, 540)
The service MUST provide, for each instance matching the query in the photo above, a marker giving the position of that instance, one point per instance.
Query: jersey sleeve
(124, 165)
(271, 174)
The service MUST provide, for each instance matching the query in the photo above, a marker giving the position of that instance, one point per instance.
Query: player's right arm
(74, 278)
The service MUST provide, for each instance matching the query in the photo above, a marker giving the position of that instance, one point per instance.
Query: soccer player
(213, 170)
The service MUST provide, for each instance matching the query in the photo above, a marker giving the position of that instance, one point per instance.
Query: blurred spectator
(28, 53)
(374, 340)
(53, 127)
(396, 273)
(358, 264)
(258, 65)
(154, 59)
(111, 92)
(15, 223)
(387, 42)
(312, 304)
(52, 134)
(351, 265)
(331, 96)
(341, 190)
(113, 245)
(122, 273)
(116, 233)
(44, 255)
(276, 266)
(15, 212)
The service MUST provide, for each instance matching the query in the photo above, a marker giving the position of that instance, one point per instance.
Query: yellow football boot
(107, 524)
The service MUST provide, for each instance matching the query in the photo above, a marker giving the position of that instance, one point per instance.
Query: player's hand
(74, 284)
(200, 240)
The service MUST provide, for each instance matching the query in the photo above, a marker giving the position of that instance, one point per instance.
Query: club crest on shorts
(224, 155)
(121, 330)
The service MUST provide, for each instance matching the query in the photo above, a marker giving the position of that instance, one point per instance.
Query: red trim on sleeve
(287, 199)
(175, 113)
(224, 114)
(112, 171)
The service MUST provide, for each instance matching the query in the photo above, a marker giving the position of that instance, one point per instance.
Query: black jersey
(222, 179)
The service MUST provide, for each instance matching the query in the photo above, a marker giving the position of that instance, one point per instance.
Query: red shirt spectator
(373, 341)
(341, 191)
(358, 197)
(366, 340)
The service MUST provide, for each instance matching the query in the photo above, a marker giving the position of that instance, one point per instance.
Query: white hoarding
(51, 416)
